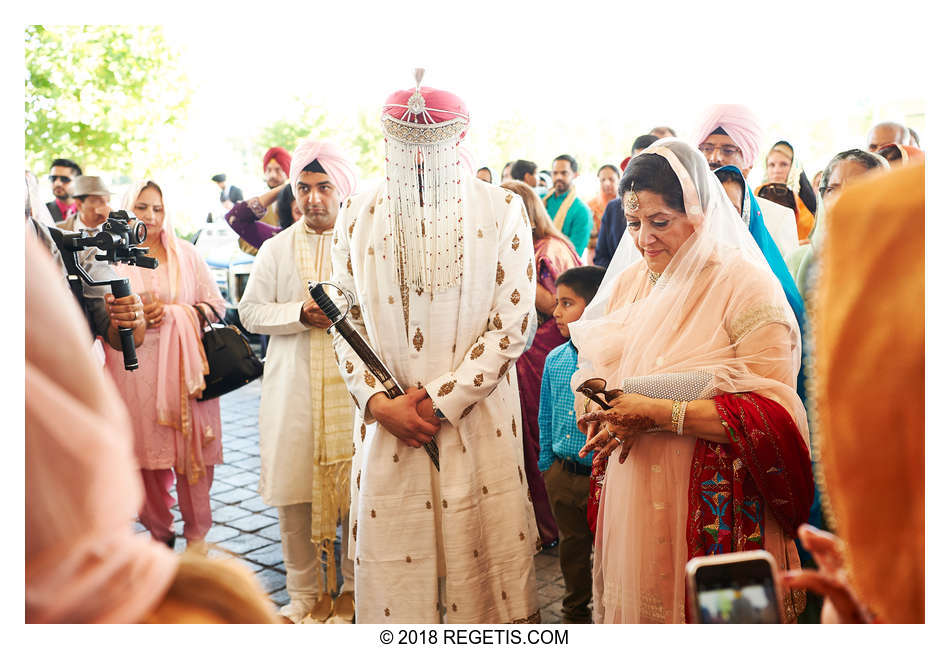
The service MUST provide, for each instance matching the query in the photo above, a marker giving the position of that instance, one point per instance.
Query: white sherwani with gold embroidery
(472, 521)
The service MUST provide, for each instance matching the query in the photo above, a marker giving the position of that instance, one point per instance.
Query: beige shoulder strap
(562, 211)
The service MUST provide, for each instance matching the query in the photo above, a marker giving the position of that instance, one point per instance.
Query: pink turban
(279, 154)
(84, 563)
(739, 123)
(437, 106)
(341, 171)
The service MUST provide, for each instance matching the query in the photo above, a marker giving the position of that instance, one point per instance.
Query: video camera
(118, 242)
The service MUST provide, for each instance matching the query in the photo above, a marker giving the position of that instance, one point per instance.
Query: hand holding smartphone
(733, 588)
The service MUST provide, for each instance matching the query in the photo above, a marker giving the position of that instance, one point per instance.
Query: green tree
(107, 96)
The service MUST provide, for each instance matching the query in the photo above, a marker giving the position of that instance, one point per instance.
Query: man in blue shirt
(567, 476)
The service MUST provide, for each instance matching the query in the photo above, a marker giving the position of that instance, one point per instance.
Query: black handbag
(231, 361)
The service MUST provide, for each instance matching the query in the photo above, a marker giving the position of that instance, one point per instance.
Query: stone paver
(246, 527)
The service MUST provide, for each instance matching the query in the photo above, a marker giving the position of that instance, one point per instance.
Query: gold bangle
(678, 416)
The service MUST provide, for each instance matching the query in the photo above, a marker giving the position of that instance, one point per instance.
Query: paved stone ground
(247, 527)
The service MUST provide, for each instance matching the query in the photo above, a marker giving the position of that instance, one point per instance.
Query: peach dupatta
(83, 561)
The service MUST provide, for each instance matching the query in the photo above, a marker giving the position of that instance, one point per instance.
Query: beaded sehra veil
(423, 131)
(715, 321)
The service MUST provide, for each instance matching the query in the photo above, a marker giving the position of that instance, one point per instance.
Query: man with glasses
(729, 135)
(61, 175)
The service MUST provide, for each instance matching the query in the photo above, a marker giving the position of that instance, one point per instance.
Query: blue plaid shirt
(557, 423)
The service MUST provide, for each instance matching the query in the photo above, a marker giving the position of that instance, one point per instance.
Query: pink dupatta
(182, 363)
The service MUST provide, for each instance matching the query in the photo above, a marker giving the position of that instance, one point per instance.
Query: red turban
(279, 154)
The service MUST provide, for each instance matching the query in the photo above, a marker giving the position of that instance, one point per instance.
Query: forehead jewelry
(631, 203)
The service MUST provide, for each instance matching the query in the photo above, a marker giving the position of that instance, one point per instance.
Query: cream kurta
(271, 305)
(461, 345)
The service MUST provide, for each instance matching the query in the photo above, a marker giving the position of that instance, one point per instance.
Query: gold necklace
(653, 277)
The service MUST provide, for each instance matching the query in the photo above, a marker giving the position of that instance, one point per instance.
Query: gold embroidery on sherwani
(355, 312)
(477, 351)
(445, 504)
(484, 489)
(428, 504)
(395, 458)
(392, 300)
(499, 275)
(508, 196)
(477, 381)
(354, 531)
(369, 379)
(480, 234)
(349, 265)
(520, 476)
(524, 323)
(498, 432)
(348, 201)
(530, 270)
(371, 252)
(349, 367)
(514, 427)
(350, 229)
(515, 297)
(475, 553)
(372, 513)
(496, 321)
(504, 368)
(418, 340)
(524, 216)
(515, 243)
(386, 612)
(504, 343)
(372, 208)
(521, 536)
(446, 388)
(466, 411)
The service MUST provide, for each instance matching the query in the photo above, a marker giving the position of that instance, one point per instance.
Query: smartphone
(733, 588)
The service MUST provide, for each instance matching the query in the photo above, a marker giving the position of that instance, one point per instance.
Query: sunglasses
(63, 179)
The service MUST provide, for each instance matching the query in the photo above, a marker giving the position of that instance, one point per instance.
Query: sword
(366, 353)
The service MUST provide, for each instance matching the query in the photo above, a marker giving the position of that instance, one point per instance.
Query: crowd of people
(637, 379)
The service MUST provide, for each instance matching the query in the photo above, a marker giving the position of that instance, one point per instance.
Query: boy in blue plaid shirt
(567, 476)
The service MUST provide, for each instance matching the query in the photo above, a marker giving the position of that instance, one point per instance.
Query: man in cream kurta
(458, 544)
(306, 416)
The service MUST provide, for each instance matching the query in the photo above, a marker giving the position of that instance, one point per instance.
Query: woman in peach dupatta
(176, 436)
(695, 328)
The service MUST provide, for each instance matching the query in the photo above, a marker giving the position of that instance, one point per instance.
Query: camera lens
(139, 232)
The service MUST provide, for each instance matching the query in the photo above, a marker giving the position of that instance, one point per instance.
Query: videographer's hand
(125, 312)
(312, 316)
(400, 417)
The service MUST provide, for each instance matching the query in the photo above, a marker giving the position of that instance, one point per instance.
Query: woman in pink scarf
(177, 437)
